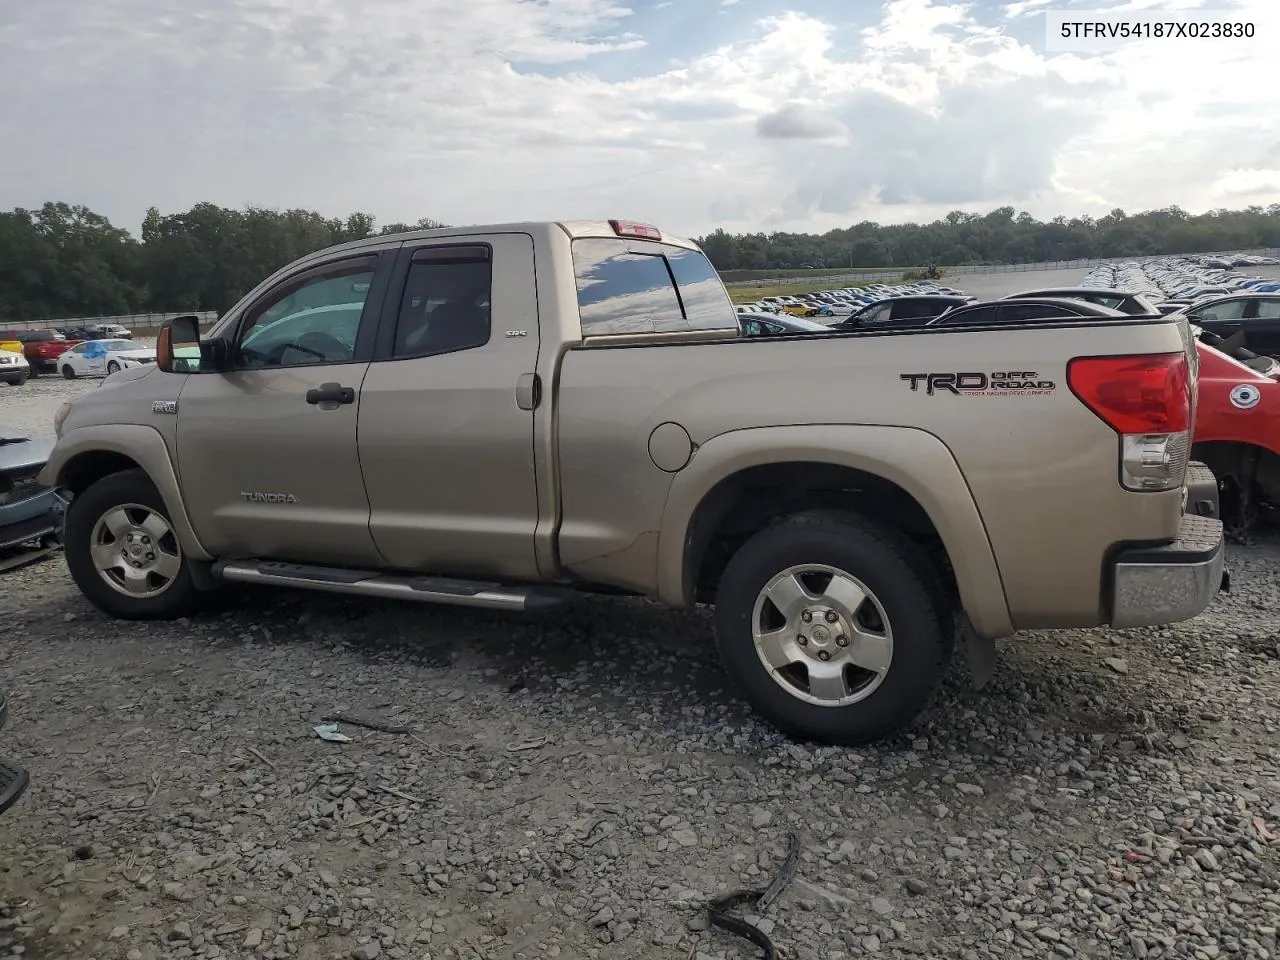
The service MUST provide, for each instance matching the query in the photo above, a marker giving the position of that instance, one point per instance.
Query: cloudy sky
(692, 114)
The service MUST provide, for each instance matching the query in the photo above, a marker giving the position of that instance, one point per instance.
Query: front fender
(145, 447)
(915, 460)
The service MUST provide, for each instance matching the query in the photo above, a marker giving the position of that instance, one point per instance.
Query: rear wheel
(831, 627)
(123, 553)
(68, 372)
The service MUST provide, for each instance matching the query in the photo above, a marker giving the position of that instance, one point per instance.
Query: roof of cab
(575, 229)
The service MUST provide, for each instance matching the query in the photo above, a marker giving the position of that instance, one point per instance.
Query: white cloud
(1255, 185)
(409, 108)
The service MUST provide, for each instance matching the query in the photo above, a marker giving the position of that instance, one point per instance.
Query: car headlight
(60, 416)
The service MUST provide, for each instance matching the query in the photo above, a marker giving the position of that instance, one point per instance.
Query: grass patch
(753, 293)
(739, 276)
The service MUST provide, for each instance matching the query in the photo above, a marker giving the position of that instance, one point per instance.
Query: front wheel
(830, 627)
(68, 372)
(113, 367)
(122, 551)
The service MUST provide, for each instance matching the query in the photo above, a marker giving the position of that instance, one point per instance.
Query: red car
(42, 348)
(1237, 432)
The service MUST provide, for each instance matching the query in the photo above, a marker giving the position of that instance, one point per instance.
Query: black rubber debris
(758, 900)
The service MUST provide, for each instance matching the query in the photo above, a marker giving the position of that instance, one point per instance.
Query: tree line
(64, 260)
(999, 237)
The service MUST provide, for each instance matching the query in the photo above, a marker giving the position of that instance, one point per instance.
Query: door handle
(331, 393)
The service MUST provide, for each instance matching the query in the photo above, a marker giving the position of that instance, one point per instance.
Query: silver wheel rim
(135, 551)
(822, 635)
(113, 367)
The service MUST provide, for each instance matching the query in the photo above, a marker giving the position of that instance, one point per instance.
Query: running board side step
(370, 583)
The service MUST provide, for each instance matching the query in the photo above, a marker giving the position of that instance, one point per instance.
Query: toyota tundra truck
(514, 416)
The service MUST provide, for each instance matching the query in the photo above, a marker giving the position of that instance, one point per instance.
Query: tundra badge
(268, 497)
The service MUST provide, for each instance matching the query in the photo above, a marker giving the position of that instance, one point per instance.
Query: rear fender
(915, 460)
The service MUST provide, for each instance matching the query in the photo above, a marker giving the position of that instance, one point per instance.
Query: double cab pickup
(511, 416)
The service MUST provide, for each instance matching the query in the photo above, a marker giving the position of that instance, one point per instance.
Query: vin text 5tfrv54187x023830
(362, 423)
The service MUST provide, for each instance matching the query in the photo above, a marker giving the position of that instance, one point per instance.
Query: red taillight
(1136, 394)
(630, 228)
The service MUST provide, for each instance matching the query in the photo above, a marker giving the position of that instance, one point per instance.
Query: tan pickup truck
(510, 416)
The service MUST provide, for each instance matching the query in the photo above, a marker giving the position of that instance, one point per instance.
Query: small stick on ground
(402, 795)
(366, 724)
(261, 757)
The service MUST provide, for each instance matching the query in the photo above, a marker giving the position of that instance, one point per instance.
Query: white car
(14, 368)
(101, 358)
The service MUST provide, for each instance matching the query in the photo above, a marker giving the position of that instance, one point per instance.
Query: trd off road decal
(1001, 383)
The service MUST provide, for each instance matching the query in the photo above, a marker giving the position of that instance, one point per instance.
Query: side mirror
(178, 345)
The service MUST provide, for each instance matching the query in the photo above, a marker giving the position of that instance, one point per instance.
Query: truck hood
(127, 375)
(18, 452)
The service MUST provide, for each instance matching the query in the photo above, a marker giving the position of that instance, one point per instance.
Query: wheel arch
(83, 456)
(776, 471)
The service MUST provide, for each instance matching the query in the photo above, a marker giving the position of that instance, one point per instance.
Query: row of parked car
(846, 301)
(1171, 284)
(74, 351)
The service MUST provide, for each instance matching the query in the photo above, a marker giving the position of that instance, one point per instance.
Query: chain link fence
(136, 322)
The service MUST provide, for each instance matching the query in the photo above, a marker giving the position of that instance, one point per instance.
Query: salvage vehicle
(13, 779)
(1237, 429)
(29, 511)
(42, 348)
(513, 416)
(907, 310)
(775, 325)
(1027, 310)
(14, 368)
(1134, 304)
(1254, 316)
(101, 358)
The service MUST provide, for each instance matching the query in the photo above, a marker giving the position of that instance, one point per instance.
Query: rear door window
(975, 317)
(917, 308)
(647, 287)
(1223, 310)
(1268, 310)
(1017, 312)
(877, 314)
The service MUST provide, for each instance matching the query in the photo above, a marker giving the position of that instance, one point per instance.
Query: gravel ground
(577, 786)
(29, 409)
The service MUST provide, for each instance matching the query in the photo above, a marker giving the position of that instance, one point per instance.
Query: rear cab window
(641, 286)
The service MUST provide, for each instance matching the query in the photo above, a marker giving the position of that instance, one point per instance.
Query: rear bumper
(1169, 583)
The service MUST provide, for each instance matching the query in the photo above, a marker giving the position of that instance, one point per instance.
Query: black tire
(180, 599)
(68, 373)
(903, 581)
(34, 371)
(113, 367)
